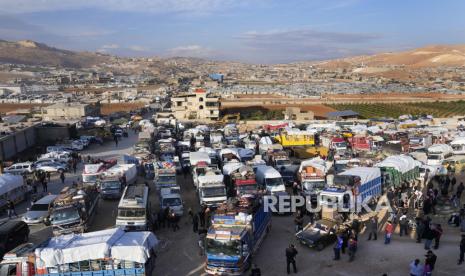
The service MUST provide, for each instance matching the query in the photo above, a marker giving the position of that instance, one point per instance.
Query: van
(40, 210)
(269, 178)
(21, 168)
(12, 234)
(456, 162)
(170, 197)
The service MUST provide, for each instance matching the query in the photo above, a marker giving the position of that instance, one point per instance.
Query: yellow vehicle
(295, 138)
(136, 118)
(456, 162)
(309, 152)
(347, 134)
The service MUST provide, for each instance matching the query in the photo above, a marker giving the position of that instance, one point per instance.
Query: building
(344, 114)
(6, 90)
(69, 111)
(294, 113)
(196, 105)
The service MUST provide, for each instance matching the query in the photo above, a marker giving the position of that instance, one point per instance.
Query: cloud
(154, 6)
(137, 48)
(308, 44)
(192, 51)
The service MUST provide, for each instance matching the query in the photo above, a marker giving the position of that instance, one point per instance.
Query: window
(179, 103)
(200, 99)
(201, 107)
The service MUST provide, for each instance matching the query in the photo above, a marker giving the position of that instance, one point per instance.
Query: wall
(15, 143)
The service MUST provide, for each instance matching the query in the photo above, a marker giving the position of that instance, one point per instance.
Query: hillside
(33, 53)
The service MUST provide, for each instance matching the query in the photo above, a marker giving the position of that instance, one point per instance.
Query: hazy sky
(259, 31)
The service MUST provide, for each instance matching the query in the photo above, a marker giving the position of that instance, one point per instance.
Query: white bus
(134, 208)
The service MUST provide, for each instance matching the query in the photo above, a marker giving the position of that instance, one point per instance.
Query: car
(21, 168)
(319, 234)
(50, 160)
(40, 210)
(52, 167)
(12, 234)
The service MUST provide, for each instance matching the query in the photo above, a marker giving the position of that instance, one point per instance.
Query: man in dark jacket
(373, 228)
(462, 249)
(430, 259)
(291, 252)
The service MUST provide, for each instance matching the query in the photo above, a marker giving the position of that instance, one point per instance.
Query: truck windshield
(457, 147)
(89, 177)
(131, 212)
(39, 207)
(313, 185)
(283, 162)
(111, 185)
(172, 201)
(434, 157)
(65, 214)
(213, 192)
(247, 188)
(223, 247)
(167, 178)
(340, 145)
(274, 181)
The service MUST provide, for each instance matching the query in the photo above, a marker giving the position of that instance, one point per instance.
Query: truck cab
(269, 178)
(170, 197)
(211, 188)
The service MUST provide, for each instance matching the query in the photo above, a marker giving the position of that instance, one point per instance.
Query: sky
(254, 31)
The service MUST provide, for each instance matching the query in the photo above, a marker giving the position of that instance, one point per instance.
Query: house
(69, 111)
(295, 113)
(196, 104)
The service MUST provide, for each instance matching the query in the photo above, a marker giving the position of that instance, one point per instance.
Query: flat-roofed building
(197, 104)
(70, 111)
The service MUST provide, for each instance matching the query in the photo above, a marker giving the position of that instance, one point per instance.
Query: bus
(134, 208)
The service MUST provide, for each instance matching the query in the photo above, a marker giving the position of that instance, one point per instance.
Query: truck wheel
(320, 246)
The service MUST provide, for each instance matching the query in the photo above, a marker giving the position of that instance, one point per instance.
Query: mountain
(33, 53)
(430, 56)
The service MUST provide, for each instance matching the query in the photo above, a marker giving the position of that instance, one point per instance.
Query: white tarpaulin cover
(231, 167)
(233, 151)
(9, 182)
(317, 163)
(266, 140)
(439, 148)
(366, 174)
(401, 163)
(133, 246)
(196, 157)
(458, 141)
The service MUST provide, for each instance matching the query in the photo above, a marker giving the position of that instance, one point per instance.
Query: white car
(21, 168)
(52, 167)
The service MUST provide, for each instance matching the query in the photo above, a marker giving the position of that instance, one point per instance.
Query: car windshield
(131, 212)
(167, 178)
(457, 147)
(223, 247)
(65, 214)
(434, 157)
(89, 177)
(213, 192)
(111, 185)
(39, 207)
(283, 162)
(313, 185)
(175, 201)
(274, 181)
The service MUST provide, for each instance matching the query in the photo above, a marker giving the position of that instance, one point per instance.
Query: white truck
(437, 153)
(312, 176)
(92, 172)
(269, 178)
(171, 197)
(113, 180)
(458, 145)
(211, 189)
(199, 163)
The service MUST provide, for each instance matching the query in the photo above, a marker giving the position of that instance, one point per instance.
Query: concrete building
(196, 105)
(294, 113)
(69, 111)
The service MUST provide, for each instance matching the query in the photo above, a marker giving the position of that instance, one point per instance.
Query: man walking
(337, 248)
(415, 268)
(430, 260)
(62, 177)
(388, 232)
(462, 249)
(403, 223)
(11, 209)
(291, 253)
(373, 228)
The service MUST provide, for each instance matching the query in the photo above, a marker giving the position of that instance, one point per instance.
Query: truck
(291, 138)
(243, 181)
(309, 152)
(351, 188)
(437, 153)
(165, 175)
(312, 177)
(92, 172)
(12, 187)
(113, 180)
(458, 145)
(199, 162)
(236, 233)
(134, 209)
(74, 209)
(360, 143)
(270, 179)
(398, 169)
(110, 252)
(418, 142)
(171, 197)
(266, 144)
(211, 188)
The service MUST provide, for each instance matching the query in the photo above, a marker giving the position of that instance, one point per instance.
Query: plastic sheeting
(196, 157)
(317, 163)
(401, 163)
(112, 243)
(231, 167)
(9, 182)
(366, 174)
(439, 148)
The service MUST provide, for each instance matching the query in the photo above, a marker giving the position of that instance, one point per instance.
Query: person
(337, 248)
(459, 191)
(166, 215)
(299, 222)
(195, 223)
(462, 250)
(388, 232)
(115, 138)
(201, 214)
(437, 235)
(62, 177)
(352, 248)
(255, 271)
(174, 221)
(74, 166)
(415, 268)
(161, 218)
(202, 236)
(295, 186)
(420, 229)
(11, 209)
(430, 260)
(345, 241)
(426, 177)
(291, 253)
(403, 223)
(44, 186)
(429, 236)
